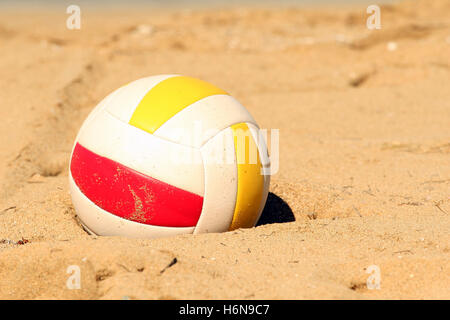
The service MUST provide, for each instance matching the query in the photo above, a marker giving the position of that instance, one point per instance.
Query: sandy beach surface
(364, 123)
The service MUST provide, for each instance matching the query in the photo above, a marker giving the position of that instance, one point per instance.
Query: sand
(364, 122)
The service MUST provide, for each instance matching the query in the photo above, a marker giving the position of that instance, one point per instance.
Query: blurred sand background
(364, 119)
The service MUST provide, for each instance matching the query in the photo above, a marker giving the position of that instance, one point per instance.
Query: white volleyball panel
(260, 141)
(130, 95)
(220, 183)
(202, 120)
(92, 115)
(177, 165)
(104, 223)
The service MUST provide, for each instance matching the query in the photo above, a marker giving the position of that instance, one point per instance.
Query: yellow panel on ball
(167, 98)
(250, 180)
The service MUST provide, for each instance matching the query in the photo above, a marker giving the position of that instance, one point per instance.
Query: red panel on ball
(131, 195)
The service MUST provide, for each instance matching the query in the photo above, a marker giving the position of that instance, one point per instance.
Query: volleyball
(167, 155)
